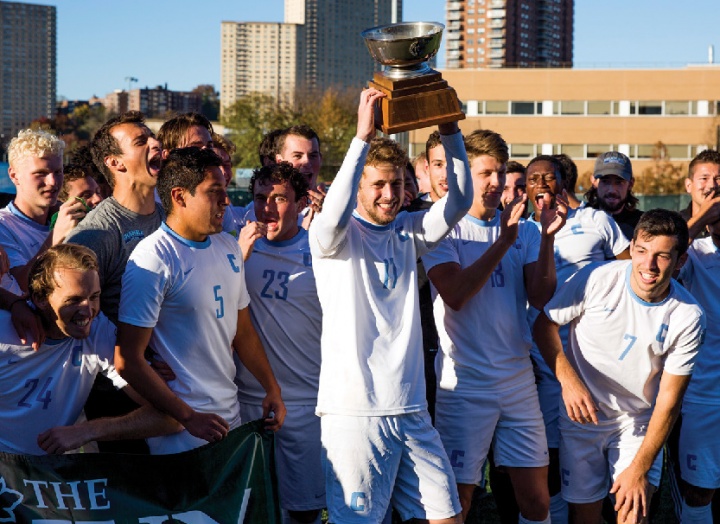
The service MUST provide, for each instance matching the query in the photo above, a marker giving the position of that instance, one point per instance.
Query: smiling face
(86, 188)
(488, 176)
(612, 192)
(542, 179)
(653, 262)
(73, 304)
(380, 193)
(276, 206)
(141, 157)
(304, 155)
(437, 172)
(703, 184)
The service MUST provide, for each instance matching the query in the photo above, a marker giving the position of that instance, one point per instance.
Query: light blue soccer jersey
(701, 276)
(286, 313)
(43, 389)
(620, 345)
(19, 236)
(483, 345)
(190, 294)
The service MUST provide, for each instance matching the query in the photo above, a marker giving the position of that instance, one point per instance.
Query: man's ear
(13, 175)
(631, 184)
(114, 163)
(177, 196)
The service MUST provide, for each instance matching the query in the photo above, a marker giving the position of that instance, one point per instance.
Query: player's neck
(184, 229)
(479, 211)
(140, 200)
(34, 213)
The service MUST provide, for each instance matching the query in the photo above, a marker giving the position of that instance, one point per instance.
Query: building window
(646, 108)
(522, 150)
(571, 150)
(673, 107)
(595, 150)
(523, 108)
(569, 107)
(599, 107)
(496, 107)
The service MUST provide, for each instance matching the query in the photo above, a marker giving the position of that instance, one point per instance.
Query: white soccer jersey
(43, 389)
(19, 236)
(286, 313)
(189, 293)
(701, 276)
(589, 235)
(483, 351)
(619, 344)
(372, 361)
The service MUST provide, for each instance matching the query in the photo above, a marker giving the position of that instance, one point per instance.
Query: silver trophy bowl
(404, 48)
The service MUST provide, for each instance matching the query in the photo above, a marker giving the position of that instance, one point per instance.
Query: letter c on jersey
(455, 457)
(357, 500)
(231, 259)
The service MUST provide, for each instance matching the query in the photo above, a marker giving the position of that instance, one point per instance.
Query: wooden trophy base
(414, 103)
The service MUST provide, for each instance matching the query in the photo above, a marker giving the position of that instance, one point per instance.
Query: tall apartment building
(317, 47)
(27, 65)
(260, 57)
(509, 33)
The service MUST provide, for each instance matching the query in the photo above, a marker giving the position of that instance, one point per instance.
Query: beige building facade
(318, 47)
(27, 65)
(584, 113)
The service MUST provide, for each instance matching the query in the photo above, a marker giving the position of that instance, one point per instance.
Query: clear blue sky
(177, 42)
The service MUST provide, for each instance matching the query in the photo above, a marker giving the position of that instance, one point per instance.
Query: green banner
(228, 482)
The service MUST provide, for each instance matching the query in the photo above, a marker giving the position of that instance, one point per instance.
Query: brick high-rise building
(27, 65)
(509, 33)
(319, 46)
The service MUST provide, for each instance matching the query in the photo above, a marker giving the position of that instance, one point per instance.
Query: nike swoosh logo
(13, 360)
(188, 271)
(465, 242)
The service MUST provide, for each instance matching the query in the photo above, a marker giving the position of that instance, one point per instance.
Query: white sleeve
(143, 289)
(328, 228)
(615, 240)
(446, 251)
(530, 235)
(446, 212)
(680, 359)
(568, 302)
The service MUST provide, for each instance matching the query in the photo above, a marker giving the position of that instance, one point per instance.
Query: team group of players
(315, 313)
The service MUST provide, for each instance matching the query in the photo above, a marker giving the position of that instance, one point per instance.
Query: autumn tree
(662, 176)
(332, 115)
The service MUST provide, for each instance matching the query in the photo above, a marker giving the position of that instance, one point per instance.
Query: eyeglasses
(547, 177)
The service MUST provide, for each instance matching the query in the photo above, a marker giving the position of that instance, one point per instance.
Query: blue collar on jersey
(284, 243)
(26, 219)
(370, 225)
(484, 223)
(190, 243)
(639, 300)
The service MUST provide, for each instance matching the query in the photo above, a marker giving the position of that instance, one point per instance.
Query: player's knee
(695, 496)
(535, 505)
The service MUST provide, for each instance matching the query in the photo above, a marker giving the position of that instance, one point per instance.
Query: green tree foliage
(76, 128)
(332, 115)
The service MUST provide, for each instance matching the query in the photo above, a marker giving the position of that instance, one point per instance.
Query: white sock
(523, 520)
(558, 509)
(696, 514)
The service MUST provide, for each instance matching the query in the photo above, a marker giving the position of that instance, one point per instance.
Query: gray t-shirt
(112, 232)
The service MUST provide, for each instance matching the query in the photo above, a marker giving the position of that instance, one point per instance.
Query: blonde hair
(34, 143)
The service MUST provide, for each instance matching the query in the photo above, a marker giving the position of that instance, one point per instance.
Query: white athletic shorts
(374, 462)
(510, 420)
(592, 457)
(301, 479)
(699, 448)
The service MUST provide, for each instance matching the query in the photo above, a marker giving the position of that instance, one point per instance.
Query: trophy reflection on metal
(417, 96)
